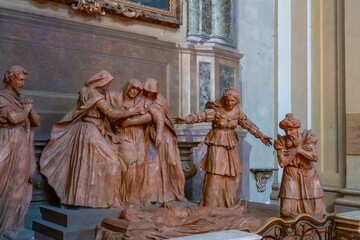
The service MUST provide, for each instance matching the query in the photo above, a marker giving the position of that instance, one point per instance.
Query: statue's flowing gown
(79, 161)
(17, 163)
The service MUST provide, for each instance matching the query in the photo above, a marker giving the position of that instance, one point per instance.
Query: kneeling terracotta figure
(300, 190)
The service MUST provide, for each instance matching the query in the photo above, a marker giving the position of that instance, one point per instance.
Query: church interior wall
(61, 48)
(352, 51)
(255, 39)
(61, 53)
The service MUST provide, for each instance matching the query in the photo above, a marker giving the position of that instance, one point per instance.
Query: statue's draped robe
(221, 162)
(165, 172)
(130, 145)
(79, 161)
(17, 164)
(300, 190)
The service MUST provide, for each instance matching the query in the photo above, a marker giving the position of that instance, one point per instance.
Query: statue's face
(230, 102)
(133, 92)
(103, 88)
(150, 95)
(292, 137)
(293, 132)
(18, 82)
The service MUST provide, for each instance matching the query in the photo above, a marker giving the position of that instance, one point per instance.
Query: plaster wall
(62, 52)
(317, 82)
(352, 59)
(255, 25)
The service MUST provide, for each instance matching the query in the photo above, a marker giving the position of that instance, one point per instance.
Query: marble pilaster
(206, 18)
(221, 22)
(227, 77)
(194, 21)
(204, 78)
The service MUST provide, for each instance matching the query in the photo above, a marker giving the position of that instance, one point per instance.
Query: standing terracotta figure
(79, 161)
(165, 172)
(17, 160)
(131, 145)
(221, 161)
(300, 190)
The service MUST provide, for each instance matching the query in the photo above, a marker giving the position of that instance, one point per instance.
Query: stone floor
(263, 211)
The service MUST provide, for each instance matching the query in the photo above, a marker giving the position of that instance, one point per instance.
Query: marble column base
(197, 38)
(221, 40)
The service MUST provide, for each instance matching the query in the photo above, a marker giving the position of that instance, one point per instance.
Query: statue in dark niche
(300, 190)
(18, 118)
(79, 161)
(165, 174)
(221, 161)
(130, 144)
(169, 221)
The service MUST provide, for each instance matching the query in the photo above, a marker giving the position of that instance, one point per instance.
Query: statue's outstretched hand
(266, 140)
(159, 139)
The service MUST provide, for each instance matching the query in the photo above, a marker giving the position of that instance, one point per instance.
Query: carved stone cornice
(89, 6)
(170, 17)
(99, 7)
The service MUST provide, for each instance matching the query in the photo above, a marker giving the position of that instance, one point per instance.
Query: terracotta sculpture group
(106, 151)
(120, 148)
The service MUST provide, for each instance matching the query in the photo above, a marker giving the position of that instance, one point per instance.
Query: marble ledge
(223, 235)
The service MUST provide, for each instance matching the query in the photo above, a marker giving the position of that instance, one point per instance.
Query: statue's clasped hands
(28, 103)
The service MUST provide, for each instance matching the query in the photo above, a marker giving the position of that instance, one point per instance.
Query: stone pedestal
(223, 235)
(348, 225)
(71, 224)
(350, 200)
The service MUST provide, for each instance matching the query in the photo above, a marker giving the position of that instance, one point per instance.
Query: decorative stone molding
(261, 176)
(130, 9)
(348, 225)
(349, 201)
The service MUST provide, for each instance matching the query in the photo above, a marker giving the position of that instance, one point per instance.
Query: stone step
(58, 232)
(71, 223)
(75, 218)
